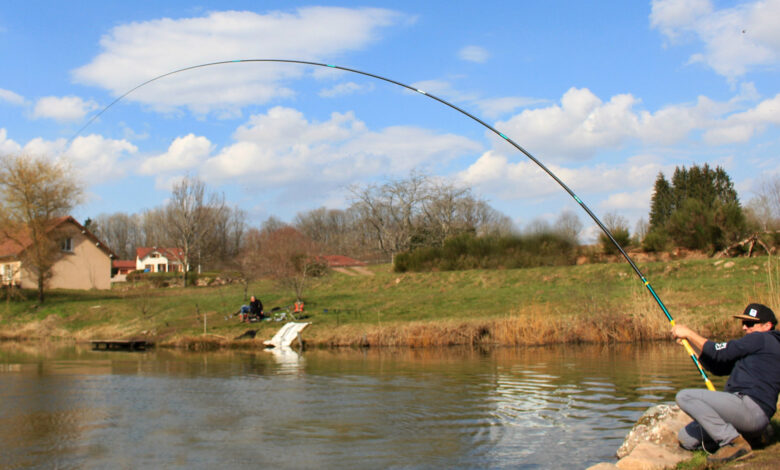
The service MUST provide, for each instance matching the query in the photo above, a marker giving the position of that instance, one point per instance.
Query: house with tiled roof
(123, 266)
(82, 261)
(159, 260)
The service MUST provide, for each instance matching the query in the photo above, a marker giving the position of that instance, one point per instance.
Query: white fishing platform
(287, 334)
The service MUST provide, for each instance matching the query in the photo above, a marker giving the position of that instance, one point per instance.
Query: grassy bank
(587, 303)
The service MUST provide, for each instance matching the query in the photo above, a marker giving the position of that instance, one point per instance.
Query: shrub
(155, 279)
(655, 241)
(162, 279)
(621, 235)
(467, 251)
(136, 275)
(691, 225)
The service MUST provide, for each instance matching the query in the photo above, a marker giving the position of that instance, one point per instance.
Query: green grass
(693, 290)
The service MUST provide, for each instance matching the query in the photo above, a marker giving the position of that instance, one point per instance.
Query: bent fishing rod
(593, 216)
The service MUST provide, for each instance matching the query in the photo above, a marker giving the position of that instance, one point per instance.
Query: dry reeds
(773, 282)
(39, 330)
(537, 327)
(197, 343)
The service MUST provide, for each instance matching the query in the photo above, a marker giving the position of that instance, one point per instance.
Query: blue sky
(606, 94)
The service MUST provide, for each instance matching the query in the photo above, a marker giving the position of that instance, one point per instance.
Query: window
(160, 268)
(154, 255)
(7, 272)
(66, 244)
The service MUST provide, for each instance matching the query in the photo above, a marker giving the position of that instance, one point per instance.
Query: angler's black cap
(758, 313)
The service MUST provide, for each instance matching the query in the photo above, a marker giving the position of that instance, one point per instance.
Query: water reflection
(563, 407)
(288, 359)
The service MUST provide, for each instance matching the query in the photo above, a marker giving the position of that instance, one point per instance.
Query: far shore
(376, 307)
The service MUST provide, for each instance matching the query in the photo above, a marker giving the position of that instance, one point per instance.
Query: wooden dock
(120, 344)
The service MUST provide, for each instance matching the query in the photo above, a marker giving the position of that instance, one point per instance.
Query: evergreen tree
(662, 203)
(699, 210)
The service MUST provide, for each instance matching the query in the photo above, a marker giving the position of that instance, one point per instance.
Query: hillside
(591, 302)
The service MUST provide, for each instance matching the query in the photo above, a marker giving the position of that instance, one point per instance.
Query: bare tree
(618, 227)
(235, 231)
(390, 210)
(189, 218)
(272, 224)
(488, 221)
(285, 255)
(569, 226)
(122, 232)
(422, 211)
(219, 247)
(338, 231)
(448, 209)
(538, 226)
(154, 228)
(324, 226)
(641, 229)
(765, 206)
(36, 191)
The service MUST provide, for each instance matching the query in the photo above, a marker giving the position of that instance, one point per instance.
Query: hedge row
(467, 251)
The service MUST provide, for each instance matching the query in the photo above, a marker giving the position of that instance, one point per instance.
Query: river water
(557, 407)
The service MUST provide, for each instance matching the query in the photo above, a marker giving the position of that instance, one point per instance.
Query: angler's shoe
(734, 450)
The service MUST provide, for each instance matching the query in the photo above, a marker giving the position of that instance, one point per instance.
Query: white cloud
(344, 89)
(735, 39)
(495, 107)
(99, 160)
(184, 153)
(474, 54)
(7, 146)
(741, 127)
(39, 147)
(94, 158)
(282, 147)
(67, 108)
(628, 201)
(166, 183)
(495, 173)
(489, 107)
(583, 125)
(672, 15)
(136, 52)
(575, 129)
(11, 97)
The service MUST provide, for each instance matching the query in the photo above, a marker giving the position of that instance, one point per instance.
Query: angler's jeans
(718, 417)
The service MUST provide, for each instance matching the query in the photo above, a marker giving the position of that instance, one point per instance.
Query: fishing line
(603, 228)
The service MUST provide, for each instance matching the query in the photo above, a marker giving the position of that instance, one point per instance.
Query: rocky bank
(652, 443)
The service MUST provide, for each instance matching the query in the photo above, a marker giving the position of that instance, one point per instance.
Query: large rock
(652, 443)
(659, 425)
(649, 456)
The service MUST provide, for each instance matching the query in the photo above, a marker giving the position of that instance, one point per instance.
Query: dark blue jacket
(754, 364)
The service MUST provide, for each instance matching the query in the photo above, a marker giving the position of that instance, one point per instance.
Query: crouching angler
(723, 420)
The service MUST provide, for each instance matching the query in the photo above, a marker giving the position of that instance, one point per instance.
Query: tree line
(424, 219)
(208, 232)
(381, 221)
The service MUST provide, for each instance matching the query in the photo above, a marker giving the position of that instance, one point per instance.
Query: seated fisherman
(255, 307)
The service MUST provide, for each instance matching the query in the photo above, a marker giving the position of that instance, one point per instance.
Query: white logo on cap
(753, 312)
